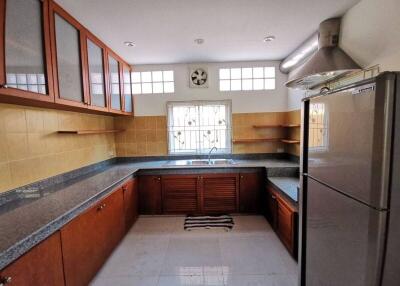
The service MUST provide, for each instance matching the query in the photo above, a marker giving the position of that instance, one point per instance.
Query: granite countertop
(36, 214)
(288, 185)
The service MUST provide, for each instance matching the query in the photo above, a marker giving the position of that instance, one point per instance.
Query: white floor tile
(126, 281)
(158, 251)
(142, 256)
(193, 256)
(196, 280)
(246, 280)
(253, 255)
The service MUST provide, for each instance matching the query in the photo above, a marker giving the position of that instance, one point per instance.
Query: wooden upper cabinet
(114, 72)
(25, 55)
(69, 67)
(96, 59)
(48, 59)
(127, 89)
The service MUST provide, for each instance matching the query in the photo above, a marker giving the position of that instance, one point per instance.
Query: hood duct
(329, 62)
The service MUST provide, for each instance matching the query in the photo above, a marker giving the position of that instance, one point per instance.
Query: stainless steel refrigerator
(350, 199)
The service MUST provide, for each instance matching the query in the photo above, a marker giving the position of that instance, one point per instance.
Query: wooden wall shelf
(86, 132)
(261, 140)
(276, 126)
(290, 141)
(255, 140)
(290, 125)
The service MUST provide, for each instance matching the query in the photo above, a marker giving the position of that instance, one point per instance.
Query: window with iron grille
(318, 127)
(197, 126)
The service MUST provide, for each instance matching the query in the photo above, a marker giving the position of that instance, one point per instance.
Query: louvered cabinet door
(220, 193)
(180, 194)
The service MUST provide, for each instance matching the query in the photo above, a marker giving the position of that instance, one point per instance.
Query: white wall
(370, 34)
(242, 101)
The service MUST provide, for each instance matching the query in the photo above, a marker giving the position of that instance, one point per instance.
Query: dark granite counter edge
(294, 203)
(23, 246)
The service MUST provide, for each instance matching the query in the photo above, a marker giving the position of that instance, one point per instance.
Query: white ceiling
(233, 30)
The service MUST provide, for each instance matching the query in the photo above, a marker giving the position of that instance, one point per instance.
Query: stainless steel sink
(201, 162)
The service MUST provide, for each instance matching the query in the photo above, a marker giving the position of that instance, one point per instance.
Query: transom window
(153, 82)
(196, 127)
(253, 78)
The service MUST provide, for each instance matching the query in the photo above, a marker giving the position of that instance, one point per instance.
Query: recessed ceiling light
(269, 39)
(199, 41)
(129, 44)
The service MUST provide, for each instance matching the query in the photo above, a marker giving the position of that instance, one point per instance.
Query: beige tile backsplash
(31, 149)
(147, 136)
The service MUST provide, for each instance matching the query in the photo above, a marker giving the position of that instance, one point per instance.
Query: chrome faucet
(209, 154)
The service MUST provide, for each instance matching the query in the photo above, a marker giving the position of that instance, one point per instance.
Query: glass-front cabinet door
(128, 102)
(25, 55)
(114, 78)
(67, 58)
(97, 87)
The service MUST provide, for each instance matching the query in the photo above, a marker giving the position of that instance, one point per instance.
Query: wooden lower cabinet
(42, 265)
(88, 240)
(286, 225)
(150, 195)
(131, 203)
(283, 217)
(180, 194)
(219, 193)
(190, 194)
(271, 207)
(251, 185)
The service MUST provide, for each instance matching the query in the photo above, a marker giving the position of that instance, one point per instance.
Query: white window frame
(198, 150)
(240, 78)
(152, 82)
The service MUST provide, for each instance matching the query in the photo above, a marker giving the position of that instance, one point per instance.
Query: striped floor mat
(208, 222)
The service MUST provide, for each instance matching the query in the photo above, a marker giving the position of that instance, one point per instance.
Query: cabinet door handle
(124, 188)
(5, 280)
(99, 208)
(241, 177)
(159, 179)
(273, 197)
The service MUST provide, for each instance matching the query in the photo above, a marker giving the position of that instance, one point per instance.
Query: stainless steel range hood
(328, 63)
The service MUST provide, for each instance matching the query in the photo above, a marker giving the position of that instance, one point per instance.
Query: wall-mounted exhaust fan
(198, 77)
(329, 62)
